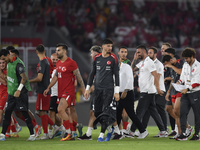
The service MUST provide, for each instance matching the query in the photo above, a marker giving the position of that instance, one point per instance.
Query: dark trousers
(161, 110)
(189, 100)
(128, 104)
(147, 102)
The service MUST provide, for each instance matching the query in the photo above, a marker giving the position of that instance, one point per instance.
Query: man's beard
(108, 52)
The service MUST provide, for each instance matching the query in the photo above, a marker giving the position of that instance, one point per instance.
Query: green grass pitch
(149, 143)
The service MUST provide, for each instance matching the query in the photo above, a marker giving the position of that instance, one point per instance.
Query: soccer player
(66, 68)
(159, 99)
(43, 80)
(104, 66)
(147, 78)
(3, 88)
(17, 88)
(190, 95)
(95, 50)
(15, 53)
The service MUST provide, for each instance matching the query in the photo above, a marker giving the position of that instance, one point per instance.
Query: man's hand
(168, 65)
(45, 92)
(123, 95)
(86, 94)
(135, 56)
(160, 92)
(116, 96)
(83, 92)
(17, 93)
(184, 91)
(167, 96)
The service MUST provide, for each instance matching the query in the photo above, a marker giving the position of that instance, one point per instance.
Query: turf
(149, 143)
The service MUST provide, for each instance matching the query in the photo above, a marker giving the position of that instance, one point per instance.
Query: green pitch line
(149, 143)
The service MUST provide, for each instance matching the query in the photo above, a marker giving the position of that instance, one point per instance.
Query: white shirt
(160, 70)
(191, 75)
(54, 89)
(146, 79)
(125, 77)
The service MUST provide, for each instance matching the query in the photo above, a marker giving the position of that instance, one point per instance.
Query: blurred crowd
(127, 22)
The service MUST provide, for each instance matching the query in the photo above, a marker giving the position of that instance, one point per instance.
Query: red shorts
(174, 97)
(3, 99)
(70, 98)
(42, 102)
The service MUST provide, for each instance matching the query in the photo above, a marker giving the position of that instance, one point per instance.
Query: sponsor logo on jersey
(98, 61)
(10, 79)
(108, 62)
(64, 69)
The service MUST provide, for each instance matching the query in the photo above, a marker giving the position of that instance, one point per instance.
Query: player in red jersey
(66, 69)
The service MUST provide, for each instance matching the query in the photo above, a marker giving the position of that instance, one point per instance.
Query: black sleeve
(116, 73)
(92, 73)
(20, 68)
(42, 67)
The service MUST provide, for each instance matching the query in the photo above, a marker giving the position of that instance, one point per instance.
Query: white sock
(101, 135)
(68, 131)
(62, 127)
(35, 127)
(109, 129)
(116, 128)
(176, 128)
(89, 131)
(49, 131)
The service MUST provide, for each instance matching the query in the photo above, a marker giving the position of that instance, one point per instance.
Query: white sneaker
(130, 134)
(31, 138)
(137, 133)
(54, 131)
(143, 135)
(2, 137)
(44, 137)
(189, 131)
(163, 134)
(18, 128)
(175, 136)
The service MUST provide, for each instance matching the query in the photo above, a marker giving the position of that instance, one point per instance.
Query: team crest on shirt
(142, 65)
(192, 70)
(64, 69)
(108, 62)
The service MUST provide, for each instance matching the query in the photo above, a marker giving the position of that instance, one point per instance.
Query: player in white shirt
(148, 78)
(191, 94)
(160, 100)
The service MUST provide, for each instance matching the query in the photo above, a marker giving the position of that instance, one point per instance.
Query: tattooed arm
(134, 62)
(80, 80)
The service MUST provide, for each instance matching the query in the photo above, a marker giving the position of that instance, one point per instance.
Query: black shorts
(53, 104)
(102, 99)
(18, 103)
(92, 101)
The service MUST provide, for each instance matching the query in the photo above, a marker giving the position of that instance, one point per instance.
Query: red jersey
(3, 88)
(66, 77)
(50, 65)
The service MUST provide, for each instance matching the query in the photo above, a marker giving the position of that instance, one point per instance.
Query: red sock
(44, 121)
(66, 124)
(13, 128)
(15, 121)
(34, 123)
(74, 124)
(49, 121)
(71, 127)
(125, 125)
(22, 118)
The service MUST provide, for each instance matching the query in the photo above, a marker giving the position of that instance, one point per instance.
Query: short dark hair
(10, 48)
(123, 47)
(154, 49)
(4, 52)
(96, 48)
(188, 52)
(166, 58)
(64, 46)
(107, 41)
(171, 51)
(142, 47)
(167, 44)
(40, 48)
(15, 51)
